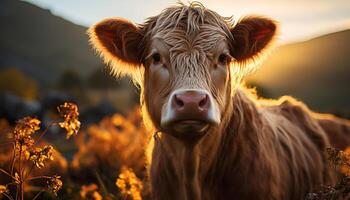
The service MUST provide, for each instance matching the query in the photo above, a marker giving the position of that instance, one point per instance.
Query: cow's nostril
(204, 102)
(190, 101)
(178, 101)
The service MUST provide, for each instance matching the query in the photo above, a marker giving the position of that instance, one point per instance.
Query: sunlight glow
(299, 20)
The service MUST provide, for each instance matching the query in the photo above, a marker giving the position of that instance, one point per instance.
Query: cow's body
(274, 151)
(215, 141)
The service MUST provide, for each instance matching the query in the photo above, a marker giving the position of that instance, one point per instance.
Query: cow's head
(189, 59)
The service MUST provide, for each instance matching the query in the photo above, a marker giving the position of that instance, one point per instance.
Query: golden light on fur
(169, 19)
(118, 66)
(261, 149)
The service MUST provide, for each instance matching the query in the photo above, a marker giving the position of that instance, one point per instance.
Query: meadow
(107, 160)
(70, 130)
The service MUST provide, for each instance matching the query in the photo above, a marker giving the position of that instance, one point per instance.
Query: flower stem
(20, 191)
(19, 160)
(17, 188)
(38, 177)
(28, 173)
(8, 196)
(37, 195)
(44, 132)
(13, 158)
(5, 172)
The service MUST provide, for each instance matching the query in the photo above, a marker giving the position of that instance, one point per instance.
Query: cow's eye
(223, 58)
(156, 57)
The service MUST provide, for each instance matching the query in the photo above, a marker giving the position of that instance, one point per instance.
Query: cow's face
(186, 80)
(186, 56)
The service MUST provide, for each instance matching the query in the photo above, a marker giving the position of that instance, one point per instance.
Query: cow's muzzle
(189, 112)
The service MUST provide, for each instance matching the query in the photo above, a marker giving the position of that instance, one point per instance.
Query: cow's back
(337, 130)
(320, 127)
(301, 143)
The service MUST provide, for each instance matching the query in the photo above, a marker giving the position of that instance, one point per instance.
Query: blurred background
(45, 57)
(45, 60)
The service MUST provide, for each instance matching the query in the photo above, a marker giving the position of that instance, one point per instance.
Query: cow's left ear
(118, 41)
(251, 36)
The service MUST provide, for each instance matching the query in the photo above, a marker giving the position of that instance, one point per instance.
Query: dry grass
(108, 161)
(341, 160)
(27, 153)
(114, 146)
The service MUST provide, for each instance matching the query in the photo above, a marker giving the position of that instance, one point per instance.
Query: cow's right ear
(118, 42)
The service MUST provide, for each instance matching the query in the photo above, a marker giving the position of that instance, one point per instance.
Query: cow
(213, 138)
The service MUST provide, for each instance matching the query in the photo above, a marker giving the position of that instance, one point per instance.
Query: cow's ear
(251, 36)
(118, 42)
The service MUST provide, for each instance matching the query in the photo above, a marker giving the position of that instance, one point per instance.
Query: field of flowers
(102, 161)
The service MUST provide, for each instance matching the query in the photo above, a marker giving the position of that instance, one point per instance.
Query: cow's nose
(190, 102)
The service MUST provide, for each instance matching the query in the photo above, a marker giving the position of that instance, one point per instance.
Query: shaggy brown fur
(261, 149)
(271, 150)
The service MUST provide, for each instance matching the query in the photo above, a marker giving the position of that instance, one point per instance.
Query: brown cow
(214, 139)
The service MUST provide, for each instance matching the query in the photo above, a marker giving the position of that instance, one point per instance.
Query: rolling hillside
(41, 44)
(316, 71)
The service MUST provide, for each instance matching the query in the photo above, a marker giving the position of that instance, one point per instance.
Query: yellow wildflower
(24, 129)
(90, 192)
(345, 167)
(96, 196)
(340, 159)
(3, 189)
(129, 184)
(39, 155)
(17, 179)
(55, 184)
(118, 120)
(69, 113)
(122, 124)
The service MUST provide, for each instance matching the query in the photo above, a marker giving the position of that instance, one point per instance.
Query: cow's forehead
(205, 39)
(194, 26)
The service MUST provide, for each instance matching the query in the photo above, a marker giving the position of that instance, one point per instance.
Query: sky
(299, 19)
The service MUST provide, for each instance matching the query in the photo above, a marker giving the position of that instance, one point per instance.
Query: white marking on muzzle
(168, 114)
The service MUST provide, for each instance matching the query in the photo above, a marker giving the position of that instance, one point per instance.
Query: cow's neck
(193, 162)
(186, 159)
(189, 172)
